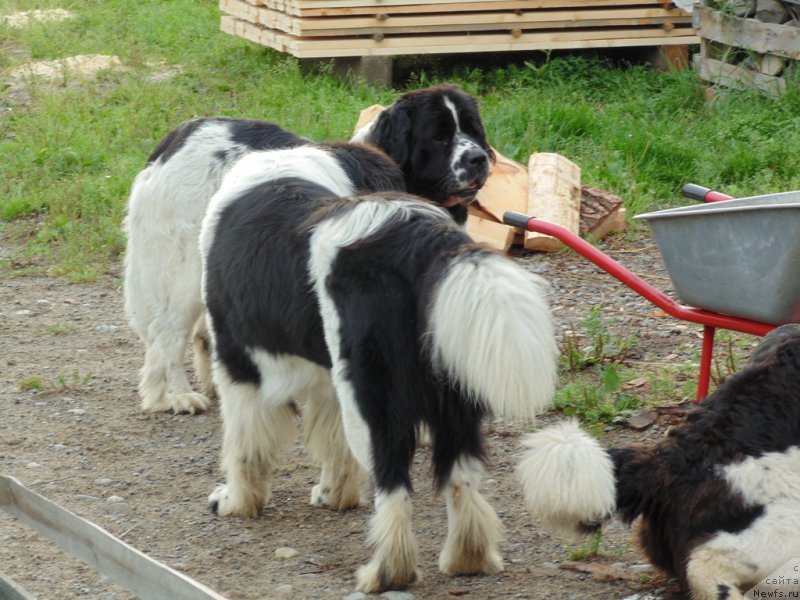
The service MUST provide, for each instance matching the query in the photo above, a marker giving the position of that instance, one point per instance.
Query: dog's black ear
(392, 132)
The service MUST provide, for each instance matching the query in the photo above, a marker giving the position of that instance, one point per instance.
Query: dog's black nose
(476, 158)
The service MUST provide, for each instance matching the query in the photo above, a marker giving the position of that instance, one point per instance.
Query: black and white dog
(376, 313)
(719, 497)
(435, 135)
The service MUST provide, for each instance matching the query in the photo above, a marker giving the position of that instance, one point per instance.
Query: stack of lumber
(549, 188)
(358, 28)
(748, 43)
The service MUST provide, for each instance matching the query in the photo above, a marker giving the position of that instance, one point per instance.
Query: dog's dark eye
(441, 138)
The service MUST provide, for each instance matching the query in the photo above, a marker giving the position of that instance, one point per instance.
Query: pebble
(33, 465)
(106, 329)
(78, 412)
(116, 505)
(86, 498)
(549, 565)
(356, 596)
(285, 590)
(644, 568)
(102, 481)
(285, 552)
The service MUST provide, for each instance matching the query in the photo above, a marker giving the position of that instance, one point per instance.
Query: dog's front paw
(320, 496)
(224, 503)
(187, 402)
(377, 576)
(486, 562)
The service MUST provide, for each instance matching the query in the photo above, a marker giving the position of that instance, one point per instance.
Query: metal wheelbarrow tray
(744, 255)
(739, 257)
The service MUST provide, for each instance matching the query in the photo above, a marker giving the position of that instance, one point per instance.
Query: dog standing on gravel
(376, 313)
(435, 136)
(718, 497)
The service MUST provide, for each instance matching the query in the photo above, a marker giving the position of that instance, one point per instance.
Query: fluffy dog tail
(491, 332)
(568, 479)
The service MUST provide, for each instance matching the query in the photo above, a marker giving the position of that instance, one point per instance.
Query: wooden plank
(554, 195)
(460, 22)
(765, 38)
(322, 8)
(505, 189)
(737, 76)
(492, 233)
(121, 562)
(456, 43)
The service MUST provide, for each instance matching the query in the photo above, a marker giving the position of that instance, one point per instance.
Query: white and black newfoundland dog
(435, 135)
(375, 314)
(718, 498)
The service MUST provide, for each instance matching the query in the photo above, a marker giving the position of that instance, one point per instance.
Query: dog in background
(435, 135)
(718, 498)
(377, 314)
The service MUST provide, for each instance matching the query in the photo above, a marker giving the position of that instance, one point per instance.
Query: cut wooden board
(492, 233)
(368, 115)
(737, 76)
(554, 195)
(765, 38)
(330, 8)
(506, 188)
(457, 42)
(423, 22)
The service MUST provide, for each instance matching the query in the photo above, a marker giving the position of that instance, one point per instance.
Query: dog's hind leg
(201, 357)
(256, 427)
(474, 530)
(384, 447)
(342, 482)
(714, 574)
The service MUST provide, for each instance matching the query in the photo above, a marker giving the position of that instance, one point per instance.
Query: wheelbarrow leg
(705, 361)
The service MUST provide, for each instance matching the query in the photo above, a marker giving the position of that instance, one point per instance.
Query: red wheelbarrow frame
(710, 320)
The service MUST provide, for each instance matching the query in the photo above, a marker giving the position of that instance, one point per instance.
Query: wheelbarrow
(735, 264)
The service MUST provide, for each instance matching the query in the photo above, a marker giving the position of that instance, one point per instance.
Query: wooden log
(495, 235)
(769, 64)
(554, 194)
(599, 213)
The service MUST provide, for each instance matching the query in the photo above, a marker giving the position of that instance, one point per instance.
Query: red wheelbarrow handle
(710, 320)
(704, 194)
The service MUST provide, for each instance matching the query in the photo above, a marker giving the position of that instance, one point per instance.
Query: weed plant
(70, 150)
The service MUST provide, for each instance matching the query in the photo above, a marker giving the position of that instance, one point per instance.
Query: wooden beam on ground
(122, 563)
(554, 195)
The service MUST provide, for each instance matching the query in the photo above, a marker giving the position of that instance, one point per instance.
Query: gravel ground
(82, 442)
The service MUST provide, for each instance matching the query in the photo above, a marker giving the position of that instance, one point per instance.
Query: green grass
(71, 152)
